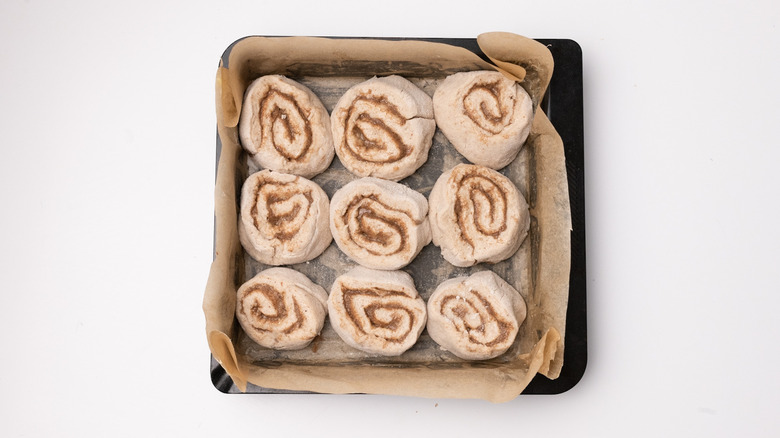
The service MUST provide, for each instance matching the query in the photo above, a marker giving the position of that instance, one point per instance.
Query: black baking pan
(563, 105)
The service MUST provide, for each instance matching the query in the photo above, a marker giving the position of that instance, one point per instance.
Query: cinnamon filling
(473, 315)
(281, 110)
(264, 321)
(481, 187)
(281, 226)
(363, 209)
(482, 104)
(402, 319)
(383, 145)
(298, 321)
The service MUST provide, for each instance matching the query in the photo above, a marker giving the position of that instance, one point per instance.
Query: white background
(107, 171)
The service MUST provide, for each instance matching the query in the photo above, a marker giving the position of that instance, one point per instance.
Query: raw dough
(281, 308)
(285, 127)
(284, 218)
(485, 116)
(475, 317)
(379, 224)
(477, 215)
(379, 312)
(383, 127)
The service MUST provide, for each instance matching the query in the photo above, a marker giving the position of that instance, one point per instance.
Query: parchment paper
(539, 270)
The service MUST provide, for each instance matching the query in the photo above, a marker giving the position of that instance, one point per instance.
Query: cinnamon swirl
(284, 218)
(281, 308)
(383, 127)
(379, 312)
(379, 224)
(477, 215)
(485, 116)
(285, 127)
(475, 317)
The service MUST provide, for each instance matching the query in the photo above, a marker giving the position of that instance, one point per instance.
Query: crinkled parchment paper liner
(520, 58)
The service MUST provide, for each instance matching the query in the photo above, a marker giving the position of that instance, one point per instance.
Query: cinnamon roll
(379, 312)
(281, 308)
(285, 127)
(383, 127)
(485, 116)
(284, 218)
(475, 317)
(379, 224)
(477, 215)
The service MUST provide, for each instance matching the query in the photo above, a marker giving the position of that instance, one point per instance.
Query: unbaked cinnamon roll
(485, 116)
(476, 317)
(285, 127)
(379, 224)
(281, 308)
(378, 312)
(284, 218)
(477, 215)
(383, 127)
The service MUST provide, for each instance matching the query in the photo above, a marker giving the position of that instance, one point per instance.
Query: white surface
(108, 126)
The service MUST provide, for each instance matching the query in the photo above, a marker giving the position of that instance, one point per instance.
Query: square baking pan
(563, 105)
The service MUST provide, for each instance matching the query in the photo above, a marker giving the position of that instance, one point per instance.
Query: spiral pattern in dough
(477, 215)
(383, 127)
(485, 116)
(379, 224)
(281, 308)
(482, 104)
(284, 218)
(285, 127)
(379, 312)
(475, 317)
